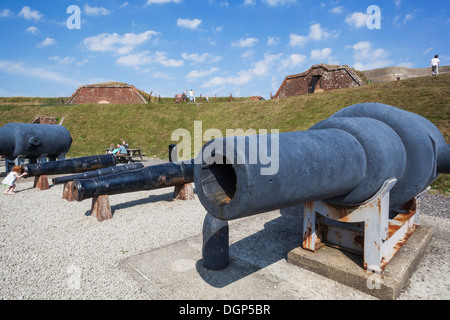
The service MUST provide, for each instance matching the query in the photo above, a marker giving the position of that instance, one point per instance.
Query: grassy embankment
(149, 127)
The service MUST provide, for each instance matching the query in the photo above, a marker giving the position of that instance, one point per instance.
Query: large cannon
(73, 165)
(343, 160)
(366, 164)
(148, 178)
(97, 173)
(32, 141)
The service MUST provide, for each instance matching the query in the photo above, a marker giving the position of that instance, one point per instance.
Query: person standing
(435, 65)
(191, 94)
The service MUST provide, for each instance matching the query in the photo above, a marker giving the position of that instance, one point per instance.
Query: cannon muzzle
(74, 165)
(98, 173)
(33, 140)
(149, 178)
(343, 160)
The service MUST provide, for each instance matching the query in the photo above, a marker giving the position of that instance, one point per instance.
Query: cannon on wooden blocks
(343, 161)
(148, 178)
(74, 165)
(97, 173)
(19, 141)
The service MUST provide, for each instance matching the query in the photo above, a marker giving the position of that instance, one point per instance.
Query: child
(8, 182)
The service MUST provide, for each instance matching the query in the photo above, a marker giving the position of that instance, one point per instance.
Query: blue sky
(243, 47)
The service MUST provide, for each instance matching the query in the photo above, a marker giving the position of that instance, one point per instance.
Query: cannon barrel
(73, 165)
(343, 160)
(33, 140)
(98, 173)
(149, 178)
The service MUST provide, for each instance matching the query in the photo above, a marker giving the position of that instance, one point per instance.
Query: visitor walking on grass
(191, 96)
(435, 65)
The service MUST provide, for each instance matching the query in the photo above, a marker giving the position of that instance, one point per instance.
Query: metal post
(215, 249)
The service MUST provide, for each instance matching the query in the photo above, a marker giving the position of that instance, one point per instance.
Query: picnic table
(132, 154)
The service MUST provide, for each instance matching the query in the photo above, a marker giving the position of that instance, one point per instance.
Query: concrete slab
(258, 267)
(346, 267)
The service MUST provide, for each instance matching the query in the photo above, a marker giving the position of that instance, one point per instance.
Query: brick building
(318, 78)
(107, 93)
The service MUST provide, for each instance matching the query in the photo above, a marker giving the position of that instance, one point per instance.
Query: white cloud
(5, 13)
(399, 22)
(249, 2)
(82, 62)
(188, 23)
(316, 33)
(113, 42)
(16, 68)
(161, 75)
(64, 61)
(357, 19)
(244, 43)
(47, 42)
(366, 57)
(321, 54)
(149, 2)
(427, 51)
(95, 11)
(294, 60)
(29, 14)
(32, 30)
(161, 58)
(337, 10)
(273, 41)
(242, 77)
(146, 57)
(248, 55)
(201, 58)
(260, 68)
(276, 3)
(135, 59)
(195, 74)
(296, 40)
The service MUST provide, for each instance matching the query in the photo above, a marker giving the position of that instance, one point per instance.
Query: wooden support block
(101, 209)
(41, 182)
(184, 192)
(67, 192)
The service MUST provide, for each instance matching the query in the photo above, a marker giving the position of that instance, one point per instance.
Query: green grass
(94, 127)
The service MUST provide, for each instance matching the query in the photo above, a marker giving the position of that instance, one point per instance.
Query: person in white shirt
(191, 94)
(9, 182)
(435, 65)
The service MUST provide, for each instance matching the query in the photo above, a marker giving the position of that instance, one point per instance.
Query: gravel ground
(53, 249)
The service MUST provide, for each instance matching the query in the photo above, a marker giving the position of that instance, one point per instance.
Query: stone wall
(107, 94)
(327, 79)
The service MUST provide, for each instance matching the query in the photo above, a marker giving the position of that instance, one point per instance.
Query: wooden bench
(130, 156)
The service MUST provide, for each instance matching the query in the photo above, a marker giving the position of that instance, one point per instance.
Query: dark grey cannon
(343, 161)
(98, 173)
(73, 165)
(148, 178)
